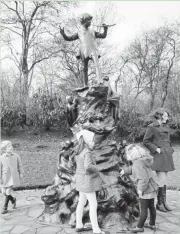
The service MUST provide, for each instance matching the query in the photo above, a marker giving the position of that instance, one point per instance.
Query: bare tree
(29, 21)
(150, 61)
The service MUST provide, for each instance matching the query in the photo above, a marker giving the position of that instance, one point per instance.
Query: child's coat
(141, 170)
(10, 170)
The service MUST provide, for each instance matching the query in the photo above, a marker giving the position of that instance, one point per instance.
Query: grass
(39, 154)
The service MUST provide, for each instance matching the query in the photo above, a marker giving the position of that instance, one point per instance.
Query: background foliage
(42, 69)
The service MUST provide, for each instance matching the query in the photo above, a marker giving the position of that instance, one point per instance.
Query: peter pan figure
(88, 48)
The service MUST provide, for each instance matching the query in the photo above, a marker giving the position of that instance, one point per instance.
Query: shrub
(11, 118)
(132, 125)
(45, 111)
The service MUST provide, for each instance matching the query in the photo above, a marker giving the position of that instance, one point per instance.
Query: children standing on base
(146, 185)
(10, 173)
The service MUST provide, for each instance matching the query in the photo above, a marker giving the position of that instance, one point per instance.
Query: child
(88, 48)
(146, 185)
(88, 181)
(10, 173)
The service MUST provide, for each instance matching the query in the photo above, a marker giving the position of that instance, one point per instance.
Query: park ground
(26, 218)
(39, 153)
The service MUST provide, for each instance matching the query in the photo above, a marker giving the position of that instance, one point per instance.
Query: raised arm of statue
(69, 38)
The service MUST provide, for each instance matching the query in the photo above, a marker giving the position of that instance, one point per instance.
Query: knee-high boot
(164, 199)
(160, 204)
(4, 211)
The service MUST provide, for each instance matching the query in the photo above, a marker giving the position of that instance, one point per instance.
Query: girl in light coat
(146, 183)
(10, 173)
(88, 181)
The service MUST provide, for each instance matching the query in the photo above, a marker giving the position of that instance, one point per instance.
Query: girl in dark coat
(157, 140)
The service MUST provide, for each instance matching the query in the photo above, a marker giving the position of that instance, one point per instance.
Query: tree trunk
(25, 92)
(152, 101)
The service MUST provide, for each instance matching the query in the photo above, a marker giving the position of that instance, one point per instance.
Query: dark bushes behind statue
(132, 125)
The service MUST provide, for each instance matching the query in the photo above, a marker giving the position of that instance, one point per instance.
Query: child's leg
(3, 190)
(79, 210)
(93, 211)
(6, 201)
(144, 203)
(9, 190)
(152, 210)
(11, 198)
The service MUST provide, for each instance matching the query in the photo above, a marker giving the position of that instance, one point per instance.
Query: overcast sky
(135, 16)
(132, 17)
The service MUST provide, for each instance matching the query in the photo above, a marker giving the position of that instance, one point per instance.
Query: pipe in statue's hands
(105, 25)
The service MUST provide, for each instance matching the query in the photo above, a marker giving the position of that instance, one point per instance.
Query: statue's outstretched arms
(69, 38)
(102, 35)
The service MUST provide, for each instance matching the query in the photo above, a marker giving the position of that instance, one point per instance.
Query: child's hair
(84, 17)
(159, 113)
(4, 145)
(85, 137)
(135, 151)
(80, 146)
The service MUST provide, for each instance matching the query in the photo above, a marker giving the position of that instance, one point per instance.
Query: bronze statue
(112, 99)
(71, 110)
(91, 115)
(88, 48)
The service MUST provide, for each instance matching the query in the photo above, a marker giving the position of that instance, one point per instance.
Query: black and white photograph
(90, 117)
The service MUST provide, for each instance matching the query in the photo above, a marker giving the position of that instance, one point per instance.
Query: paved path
(23, 220)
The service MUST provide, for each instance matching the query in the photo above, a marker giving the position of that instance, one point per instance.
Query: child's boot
(4, 211)
(152, 227)
(160, 204)
(164, 200)
(137, 229)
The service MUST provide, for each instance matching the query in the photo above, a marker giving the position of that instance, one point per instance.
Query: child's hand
(140, 193)
(158, 150)
(121, 173)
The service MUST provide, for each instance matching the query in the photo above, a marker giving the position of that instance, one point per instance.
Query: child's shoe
(14, 204)
(85, 228)
(102, 232)
(152, 227)
(6, 201)
(137, 229)
(4, 211)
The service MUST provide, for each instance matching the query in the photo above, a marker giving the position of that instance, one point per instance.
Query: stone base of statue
(117, 201)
